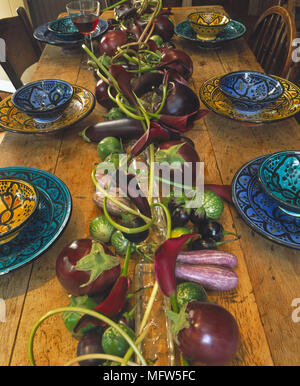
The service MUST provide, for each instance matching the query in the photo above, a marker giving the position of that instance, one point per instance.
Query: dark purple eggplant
(147, 82)
(102, 96)
(178, 61)
(131, 221)
(127, 128)
(181, 100)
(179, 216)
(90, 343)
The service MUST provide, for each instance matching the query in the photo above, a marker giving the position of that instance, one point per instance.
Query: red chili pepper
(111, 306)
(165, 262)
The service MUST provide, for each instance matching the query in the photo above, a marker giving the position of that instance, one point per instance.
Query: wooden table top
(268, 273)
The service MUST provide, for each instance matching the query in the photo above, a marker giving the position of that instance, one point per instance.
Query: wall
(7, 9)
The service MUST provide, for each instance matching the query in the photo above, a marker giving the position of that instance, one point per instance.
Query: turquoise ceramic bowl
(64, 28)
(279, 175)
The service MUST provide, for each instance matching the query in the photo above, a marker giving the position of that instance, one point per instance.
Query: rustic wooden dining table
(269, 274)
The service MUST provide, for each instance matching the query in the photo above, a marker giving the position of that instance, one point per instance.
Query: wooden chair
(271, 40)
(42, 11)
(22, 50)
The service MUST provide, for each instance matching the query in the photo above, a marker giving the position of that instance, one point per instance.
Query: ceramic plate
(233, 30)
(53, 214)
(285, 107)
(43, 34)
(260, 211)
(12, 119)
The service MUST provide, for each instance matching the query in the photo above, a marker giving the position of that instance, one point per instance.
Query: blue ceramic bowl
(44, 100)
(250, 91)
(64, 28)
(279, 176)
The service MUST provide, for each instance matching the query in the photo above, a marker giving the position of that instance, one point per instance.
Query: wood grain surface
(268, 273)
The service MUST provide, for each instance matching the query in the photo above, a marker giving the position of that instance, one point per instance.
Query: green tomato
(113, 342)
(71, 318)
(212, 204)
(109, 145)
(188, 291)
(120, 243)
(101, 229)
(157, 39)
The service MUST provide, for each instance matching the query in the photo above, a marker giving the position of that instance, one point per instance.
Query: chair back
(22, 50)
(42, 11)
(271, 40)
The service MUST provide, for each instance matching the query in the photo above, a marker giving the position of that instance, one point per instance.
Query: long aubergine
(126, 128)
(214, 257)
(211, 277)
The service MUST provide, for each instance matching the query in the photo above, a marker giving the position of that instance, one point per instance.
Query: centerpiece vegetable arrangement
(143, 82)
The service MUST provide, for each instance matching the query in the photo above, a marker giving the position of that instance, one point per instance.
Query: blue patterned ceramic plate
(285, 107)
(43, 34)
(260, 211)
(12, 119)
(53, 214)
(233, 30)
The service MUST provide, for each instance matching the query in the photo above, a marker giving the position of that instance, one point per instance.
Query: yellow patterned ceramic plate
(12, 119)
(18, 202)
(285, 107)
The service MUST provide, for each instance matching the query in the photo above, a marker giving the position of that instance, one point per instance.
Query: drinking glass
(85, 16)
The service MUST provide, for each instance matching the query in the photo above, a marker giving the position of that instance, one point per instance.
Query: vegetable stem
(126, 262)
(92, 313)
(102, 67)
(121, 227)
(107, 357)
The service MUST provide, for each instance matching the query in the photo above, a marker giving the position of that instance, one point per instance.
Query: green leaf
(179, 321)
(97, 261)
(170, 155)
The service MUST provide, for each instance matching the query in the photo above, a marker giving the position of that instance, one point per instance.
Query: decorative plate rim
(211, 43)
(242, 214)
(247, 118)
(63, 223)
(52, 128)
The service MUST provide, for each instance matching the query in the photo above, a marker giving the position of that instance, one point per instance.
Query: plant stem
(102, 67)
(92, 313)
(126, 261)
(107, 357)
(114, 5)
(121, 227)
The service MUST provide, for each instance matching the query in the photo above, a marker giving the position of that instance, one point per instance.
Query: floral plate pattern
(52, 216)
(233, 30)
(12, 119)
(260, 211)
(285, 107)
